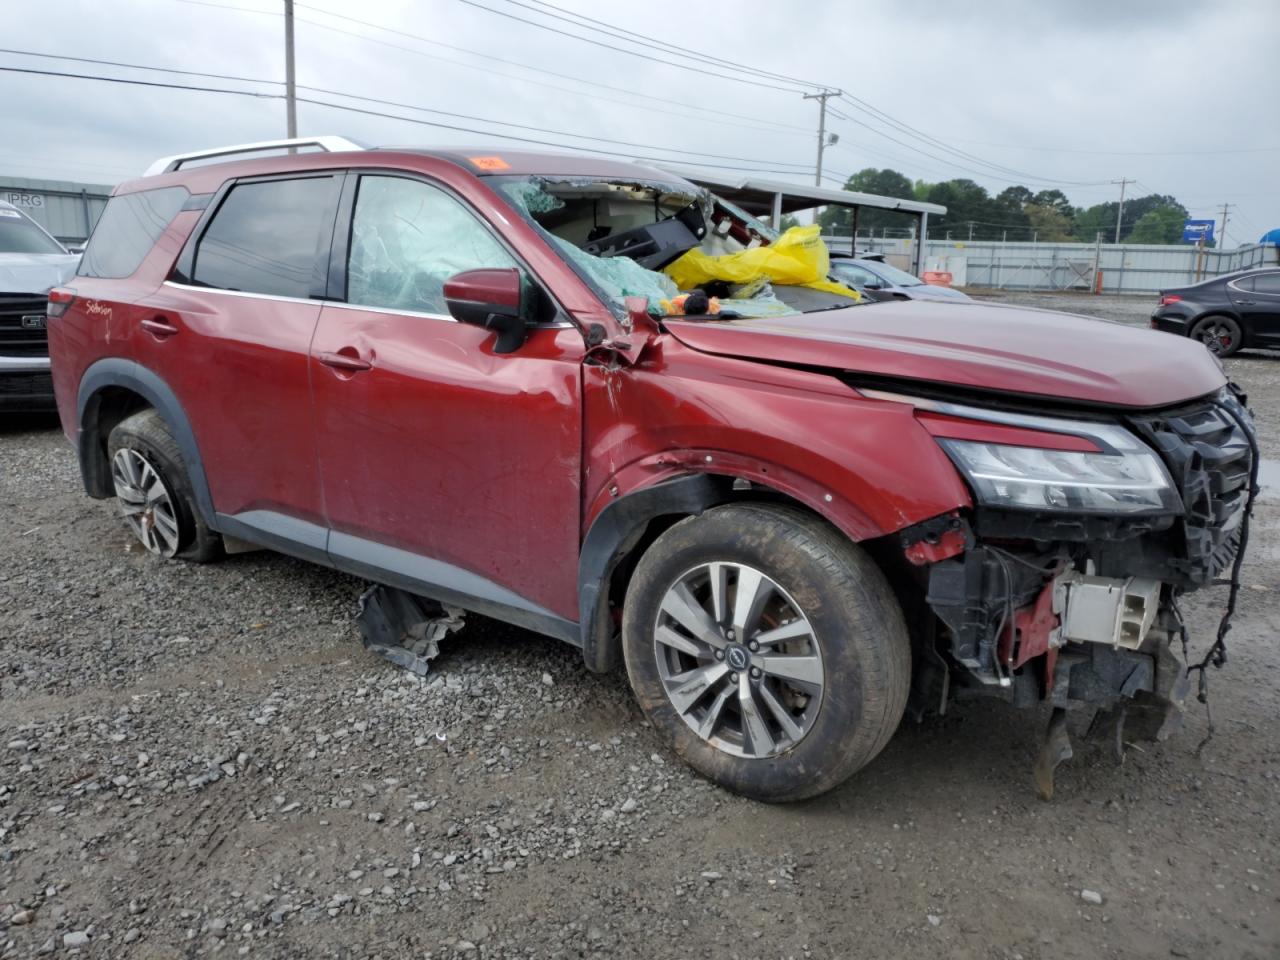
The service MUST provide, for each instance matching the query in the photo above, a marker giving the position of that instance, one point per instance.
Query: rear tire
(1221, 334)
(154, 493)
(794, 701)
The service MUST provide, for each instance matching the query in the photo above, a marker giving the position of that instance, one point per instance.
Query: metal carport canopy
(762, 197)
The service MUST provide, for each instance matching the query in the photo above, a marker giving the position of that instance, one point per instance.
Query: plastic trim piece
(614, 533)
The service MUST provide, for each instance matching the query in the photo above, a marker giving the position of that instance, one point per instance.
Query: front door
(446, 468)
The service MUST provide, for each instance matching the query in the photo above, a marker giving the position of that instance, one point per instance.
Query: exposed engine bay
(688, 252)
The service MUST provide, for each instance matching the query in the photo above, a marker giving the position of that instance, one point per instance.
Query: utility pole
(1222, 237)
(970, 230)
(290, 93)
(822, 128)
(1123, 181)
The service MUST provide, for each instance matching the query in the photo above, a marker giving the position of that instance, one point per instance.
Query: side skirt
(411, 572)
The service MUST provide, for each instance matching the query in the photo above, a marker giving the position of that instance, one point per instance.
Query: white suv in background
(31, 261)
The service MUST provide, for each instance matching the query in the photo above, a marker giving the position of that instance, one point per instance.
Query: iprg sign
(19, 199)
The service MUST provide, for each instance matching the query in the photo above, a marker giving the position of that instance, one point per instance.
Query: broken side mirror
(501, 300)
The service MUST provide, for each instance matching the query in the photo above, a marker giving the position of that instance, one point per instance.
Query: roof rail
(326, 144)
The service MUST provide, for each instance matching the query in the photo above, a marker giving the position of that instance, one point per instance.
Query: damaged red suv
(456, 373)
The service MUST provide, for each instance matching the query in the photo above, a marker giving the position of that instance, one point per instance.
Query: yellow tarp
(797, 258)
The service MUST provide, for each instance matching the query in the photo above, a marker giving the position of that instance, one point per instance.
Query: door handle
(159, 328)
(1247, 303)
(344, 361)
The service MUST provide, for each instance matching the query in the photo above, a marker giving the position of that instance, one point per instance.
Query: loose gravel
(202, 760)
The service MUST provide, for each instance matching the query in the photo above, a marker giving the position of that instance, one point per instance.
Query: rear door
(230, 332)
(1257, 298)
(444, 464)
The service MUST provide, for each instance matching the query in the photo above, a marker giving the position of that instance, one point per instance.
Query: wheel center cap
(736, 656)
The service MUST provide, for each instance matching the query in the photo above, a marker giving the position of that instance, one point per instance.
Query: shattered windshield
(688, 252)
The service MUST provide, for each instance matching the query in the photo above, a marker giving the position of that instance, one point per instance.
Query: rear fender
(94, 467)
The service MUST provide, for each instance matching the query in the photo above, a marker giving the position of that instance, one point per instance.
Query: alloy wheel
(739, 660)
(145, 502)
(1218, 337)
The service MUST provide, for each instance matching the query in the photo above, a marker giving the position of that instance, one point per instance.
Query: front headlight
(1128, 478)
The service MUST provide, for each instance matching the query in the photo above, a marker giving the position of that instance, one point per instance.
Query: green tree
(1048, 223)
(1102, 217)
(884, 183)
(1011, 217)
(1161, 224)
(1055, 200)
(970, 211)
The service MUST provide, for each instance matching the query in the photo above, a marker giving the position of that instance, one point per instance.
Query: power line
(943, 160)
(145, 83)
(137, 66)
(621, 33)
(908, 130)
(752, 166)
(631, 53)
(724, 118)
(516, 63)
(1124, 153)
(800, 167)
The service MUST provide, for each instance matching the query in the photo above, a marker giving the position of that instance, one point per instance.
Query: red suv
(458, 373)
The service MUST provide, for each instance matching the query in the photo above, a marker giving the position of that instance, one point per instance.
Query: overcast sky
(1177, 95)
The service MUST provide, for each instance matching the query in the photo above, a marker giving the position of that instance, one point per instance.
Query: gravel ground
(203, 760)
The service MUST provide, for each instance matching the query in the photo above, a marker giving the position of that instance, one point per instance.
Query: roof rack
(326, 144)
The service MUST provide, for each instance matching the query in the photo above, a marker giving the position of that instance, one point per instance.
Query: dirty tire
(858, 627)
(1214, 329)
(146, 433)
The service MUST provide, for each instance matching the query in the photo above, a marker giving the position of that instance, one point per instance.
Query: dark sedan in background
(1226, 313)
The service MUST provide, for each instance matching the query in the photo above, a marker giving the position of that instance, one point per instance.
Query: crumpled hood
(35, 273)
(981, 345)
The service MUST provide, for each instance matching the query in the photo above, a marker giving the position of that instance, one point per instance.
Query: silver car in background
(886, 282)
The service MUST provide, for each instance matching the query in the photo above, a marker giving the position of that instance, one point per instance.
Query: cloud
(1022, 85)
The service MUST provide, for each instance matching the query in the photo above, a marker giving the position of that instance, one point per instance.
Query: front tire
(767, 648)
(1221, 334)
(154, 495)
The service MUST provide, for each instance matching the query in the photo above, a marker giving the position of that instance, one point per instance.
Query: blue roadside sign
(1193, 231)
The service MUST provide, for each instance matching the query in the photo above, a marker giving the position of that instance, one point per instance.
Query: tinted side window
(1267, 283)
(127, 230)
(267, 237)
(407, 239)
(1245, 283)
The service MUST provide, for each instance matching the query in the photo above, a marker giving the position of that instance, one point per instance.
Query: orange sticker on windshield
(490, 163)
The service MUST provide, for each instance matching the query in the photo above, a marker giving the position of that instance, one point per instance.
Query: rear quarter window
(127, 230)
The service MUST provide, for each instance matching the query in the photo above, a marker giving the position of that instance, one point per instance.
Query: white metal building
(66, 209)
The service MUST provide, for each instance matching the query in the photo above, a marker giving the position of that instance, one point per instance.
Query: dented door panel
(445, 450)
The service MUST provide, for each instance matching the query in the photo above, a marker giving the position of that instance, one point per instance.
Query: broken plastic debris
(405, 629)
